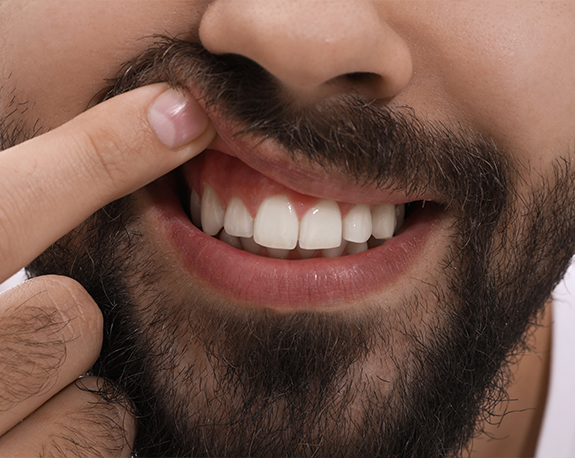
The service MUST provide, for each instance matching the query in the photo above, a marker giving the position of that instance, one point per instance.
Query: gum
(229, 177)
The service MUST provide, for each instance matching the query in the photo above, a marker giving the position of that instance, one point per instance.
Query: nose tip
(314, 48)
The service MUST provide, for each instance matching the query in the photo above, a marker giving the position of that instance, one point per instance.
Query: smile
(280, 223)
(247, 236)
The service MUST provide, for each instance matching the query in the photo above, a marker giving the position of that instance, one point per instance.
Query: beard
(207, 378)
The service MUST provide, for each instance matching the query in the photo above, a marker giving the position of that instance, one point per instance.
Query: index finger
(50, 184)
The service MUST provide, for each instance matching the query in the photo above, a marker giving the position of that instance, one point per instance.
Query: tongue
(229, 177)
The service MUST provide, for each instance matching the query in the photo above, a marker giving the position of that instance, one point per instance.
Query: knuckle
(103, 156)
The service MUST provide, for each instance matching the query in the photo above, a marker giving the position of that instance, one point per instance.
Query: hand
(50, 328)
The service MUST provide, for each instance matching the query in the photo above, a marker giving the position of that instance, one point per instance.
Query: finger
(50, 184)
(50, 334)
(77, 422)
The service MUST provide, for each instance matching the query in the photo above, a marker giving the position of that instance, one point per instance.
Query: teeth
(230, 240)
(374, 243)
(212, 212)
(276, 224)
(357, 224)
(321, 227)
(305, 254)
(277, 228)
(250, 245)
(383, 221)
(354, 248)
(280, 254)
(238, 220)
(335, 252)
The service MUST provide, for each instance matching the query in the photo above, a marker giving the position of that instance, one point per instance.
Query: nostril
(366, 84)
(360, 77)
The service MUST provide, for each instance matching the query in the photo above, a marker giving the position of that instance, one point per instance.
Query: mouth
(253, 213)
(237, 218)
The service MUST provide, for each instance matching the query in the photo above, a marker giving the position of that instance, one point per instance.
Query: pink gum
(229, 177)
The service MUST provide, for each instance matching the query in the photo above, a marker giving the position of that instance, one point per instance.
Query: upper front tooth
(212, 212)
(383, 221)
(238, 220)
(276, 224)
(321, 227)
(357, 224)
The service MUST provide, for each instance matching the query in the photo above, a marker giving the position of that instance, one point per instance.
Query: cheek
(506, 69)
(525, 97)
(59, 53)
(517, 84)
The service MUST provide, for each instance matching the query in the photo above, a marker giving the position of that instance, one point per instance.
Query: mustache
(374, 144)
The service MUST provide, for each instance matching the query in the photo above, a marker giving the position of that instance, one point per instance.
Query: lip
(286, 285)
(271, 160)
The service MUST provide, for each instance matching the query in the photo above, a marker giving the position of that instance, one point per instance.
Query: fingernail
(177, 118)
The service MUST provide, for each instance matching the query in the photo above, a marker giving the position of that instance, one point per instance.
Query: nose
(315, 48)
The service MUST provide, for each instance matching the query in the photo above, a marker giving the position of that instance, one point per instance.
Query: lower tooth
(354, 248)
(230, 240)
(334, 252)
(249, 245)
(278, 253)
(374, 243)
(305, 254)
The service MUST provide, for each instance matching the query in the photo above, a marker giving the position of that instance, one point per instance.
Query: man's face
(461, 114)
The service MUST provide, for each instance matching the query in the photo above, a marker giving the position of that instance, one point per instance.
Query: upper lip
(271, 160)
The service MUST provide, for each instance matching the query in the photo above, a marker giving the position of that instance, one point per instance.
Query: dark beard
(284, 384)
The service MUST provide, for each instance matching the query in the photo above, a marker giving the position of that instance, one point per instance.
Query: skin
(502, 68)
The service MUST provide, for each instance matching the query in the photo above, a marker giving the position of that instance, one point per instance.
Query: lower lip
(309, 284)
